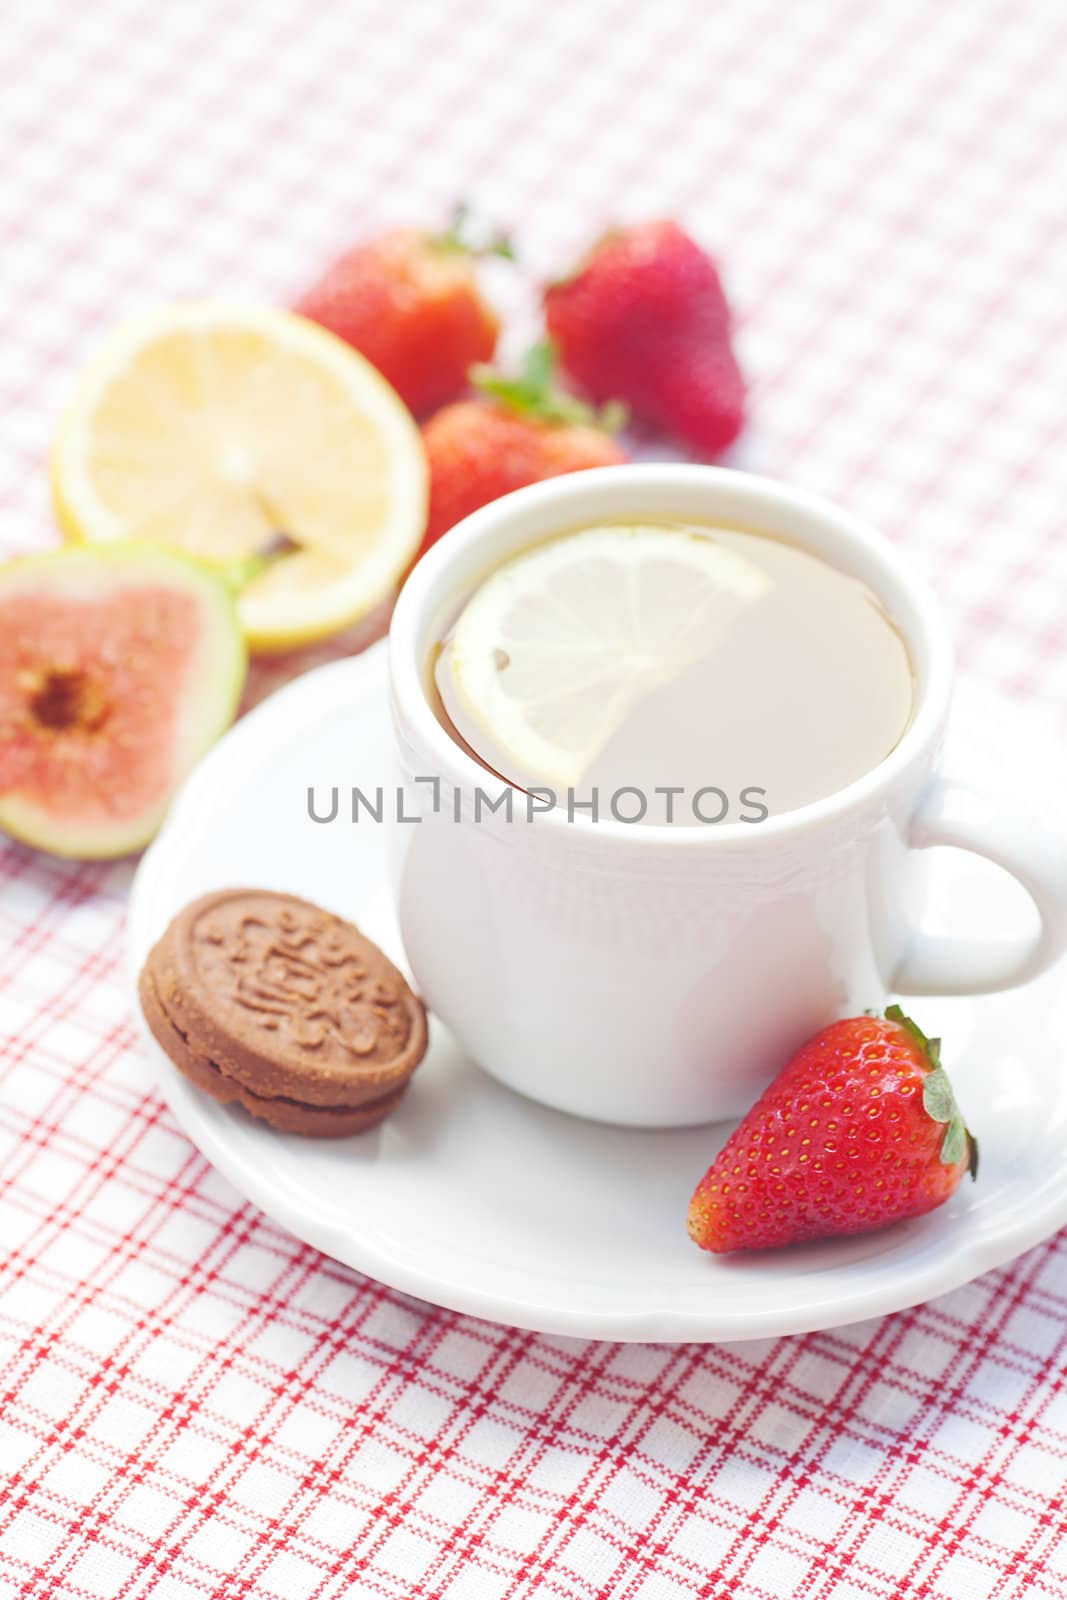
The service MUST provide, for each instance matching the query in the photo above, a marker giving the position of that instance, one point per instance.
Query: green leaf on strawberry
(939, 1102)
(535, 393)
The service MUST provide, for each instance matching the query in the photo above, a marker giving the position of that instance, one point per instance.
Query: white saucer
(479, 1200)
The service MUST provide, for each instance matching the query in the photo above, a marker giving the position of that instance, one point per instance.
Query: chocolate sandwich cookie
(267, 1000)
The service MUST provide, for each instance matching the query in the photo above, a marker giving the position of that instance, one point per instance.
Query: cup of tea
(667, 735)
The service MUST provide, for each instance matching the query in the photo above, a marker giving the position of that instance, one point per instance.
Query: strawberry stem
(535, 393)
(457, 237)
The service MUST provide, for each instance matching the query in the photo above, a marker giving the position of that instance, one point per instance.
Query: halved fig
(119, 667)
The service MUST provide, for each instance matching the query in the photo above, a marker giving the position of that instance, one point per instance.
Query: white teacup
(660, 976)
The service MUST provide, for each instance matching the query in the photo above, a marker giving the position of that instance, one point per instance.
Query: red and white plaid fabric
(193, 1404)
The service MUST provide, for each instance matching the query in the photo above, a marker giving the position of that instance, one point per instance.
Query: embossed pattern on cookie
(286, 1004)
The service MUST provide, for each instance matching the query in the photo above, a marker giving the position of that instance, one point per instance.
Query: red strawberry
(644, 318)
(410, 303)
(520, 431)
(860, 1130)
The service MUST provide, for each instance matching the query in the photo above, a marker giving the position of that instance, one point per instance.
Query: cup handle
(1015, 838)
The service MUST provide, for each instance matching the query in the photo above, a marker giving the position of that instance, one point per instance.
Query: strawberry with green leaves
(860, 1130)
(517, 431)
(409, 301)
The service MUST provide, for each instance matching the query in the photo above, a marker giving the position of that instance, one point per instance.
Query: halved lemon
(549, 656)
(232, 432)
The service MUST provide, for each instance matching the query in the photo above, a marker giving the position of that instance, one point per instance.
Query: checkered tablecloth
(191, 1402)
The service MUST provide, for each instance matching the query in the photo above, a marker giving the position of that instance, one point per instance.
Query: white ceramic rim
(756, 501)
